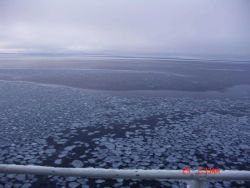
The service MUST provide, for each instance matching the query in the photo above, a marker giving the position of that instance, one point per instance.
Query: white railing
(193, 179)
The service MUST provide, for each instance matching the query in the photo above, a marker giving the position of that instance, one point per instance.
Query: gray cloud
(194, 27)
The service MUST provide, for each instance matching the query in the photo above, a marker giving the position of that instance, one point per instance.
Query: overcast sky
(150, 27)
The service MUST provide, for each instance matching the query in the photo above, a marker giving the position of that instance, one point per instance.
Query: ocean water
(136, 114)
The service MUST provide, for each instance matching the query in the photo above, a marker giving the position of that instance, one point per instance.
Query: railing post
(197, 184)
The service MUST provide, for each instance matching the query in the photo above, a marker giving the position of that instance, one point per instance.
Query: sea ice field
(66, 125)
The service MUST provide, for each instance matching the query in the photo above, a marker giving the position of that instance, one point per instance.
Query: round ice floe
(100, 181)
(26, 185)
(50, 151)
(73, 184)
(20, 177)
(71, 178)
(58, 161)
(77, 164)
(69, 148)
(91, 160)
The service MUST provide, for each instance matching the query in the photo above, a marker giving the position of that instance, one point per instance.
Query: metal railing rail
(194, 179)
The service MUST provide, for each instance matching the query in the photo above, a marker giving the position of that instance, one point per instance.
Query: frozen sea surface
(130, 75)
(63, 126)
